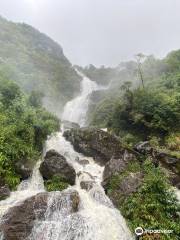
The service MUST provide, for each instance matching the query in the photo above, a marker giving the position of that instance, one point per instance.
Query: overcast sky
(102, 31)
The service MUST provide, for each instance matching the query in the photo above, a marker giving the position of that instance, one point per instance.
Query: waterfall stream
(76, 109)
(26, 189)
(96, 219)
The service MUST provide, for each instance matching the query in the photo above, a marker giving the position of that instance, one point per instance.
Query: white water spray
(26, 189)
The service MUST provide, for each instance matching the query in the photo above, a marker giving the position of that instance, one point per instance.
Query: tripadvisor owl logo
(139, 231)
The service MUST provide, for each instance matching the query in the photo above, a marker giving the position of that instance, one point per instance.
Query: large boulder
(96, 143)
(128, 185)
(117, 164)
(55, 164)
(18, 222)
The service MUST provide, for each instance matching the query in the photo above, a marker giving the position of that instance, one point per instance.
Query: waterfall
(177, 192)
(76, 109)
(26, 189)
(96, 219)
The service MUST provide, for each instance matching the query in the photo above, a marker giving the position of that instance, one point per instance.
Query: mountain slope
(36, 62)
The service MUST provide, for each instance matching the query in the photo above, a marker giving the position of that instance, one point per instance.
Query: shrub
(56, 184)
(154, 205)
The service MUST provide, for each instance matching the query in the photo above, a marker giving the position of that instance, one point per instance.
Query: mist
(102, 32)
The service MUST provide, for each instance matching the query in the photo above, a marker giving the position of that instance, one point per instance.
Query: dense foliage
(140, 111)
(153, 206)
(23, 130)
(36, 62)
(56, 184)
(145, 112)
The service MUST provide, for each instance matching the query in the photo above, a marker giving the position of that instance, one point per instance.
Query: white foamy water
(177, 192)
(26, 189)
(96, 219)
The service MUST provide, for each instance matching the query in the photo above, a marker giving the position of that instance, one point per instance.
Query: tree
(126, 86)
(139, 58)
(35, 98)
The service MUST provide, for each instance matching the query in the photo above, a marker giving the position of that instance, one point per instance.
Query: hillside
(37, 63)
(137, 112)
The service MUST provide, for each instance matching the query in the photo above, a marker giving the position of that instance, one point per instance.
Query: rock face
(104, 147)
(23, 169)
(55, 164)
(117, 164)
(87, 185)
(83, 162)
(96, 143)
(172, 164)
(18, 222)
(4, 192)
(128, 185)
(69, 125)
(169, 162)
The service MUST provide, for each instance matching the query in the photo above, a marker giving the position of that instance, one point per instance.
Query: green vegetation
(145, 106)
(145, 112)
(153, 205)
(36, 62)
(23, 130)
(100, 75)
(56, 184)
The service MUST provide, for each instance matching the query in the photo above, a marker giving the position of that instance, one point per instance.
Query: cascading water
(26, 189)
(96, 218)
(76, 109)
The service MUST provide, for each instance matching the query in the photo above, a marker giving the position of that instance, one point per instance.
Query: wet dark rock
(75, 200)
(67, 200)
(96, 143)
(24, 169)
(167, 159)
(18, 222)
(105, 148)
(85, 173)
(87, 185)
(143, 147)
(174, 179)
(55, 164)
(67, 125)
(4, 192)
(83, 162)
